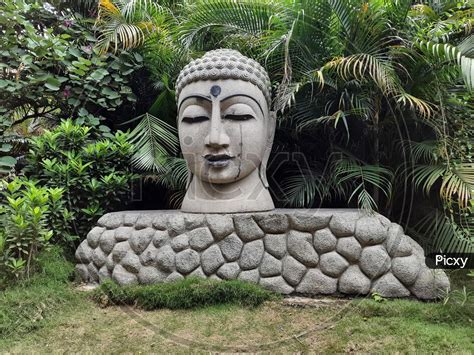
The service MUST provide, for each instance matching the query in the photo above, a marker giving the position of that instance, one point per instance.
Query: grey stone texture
(252, 254)
(229, 271)
(293, 270)
(370, 231)
(200, 238)
(324, 241)
(349, 248)
(187, 261)
(333, 264)
(94, 235)
(275, 244)
(231, 247)
(354, 282)
(180, 242)
(140, 239)
(220, 225)
(276, 284)
(316, 283)
(211, 259)
(272, 222)
(374, 261)
(301, 249)
(312, 252)
(247, 229)
(270, 266)
(389, 286)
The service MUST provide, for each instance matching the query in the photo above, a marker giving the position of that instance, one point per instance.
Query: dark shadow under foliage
(183, 294)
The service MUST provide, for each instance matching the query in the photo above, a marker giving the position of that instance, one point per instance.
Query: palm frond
(456, 182)
(445, 51)
(426, 151)
(153, 141)
(362, 177)
(446, 234)
(303, 187)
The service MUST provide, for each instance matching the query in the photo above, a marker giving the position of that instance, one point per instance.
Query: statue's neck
(245, 195)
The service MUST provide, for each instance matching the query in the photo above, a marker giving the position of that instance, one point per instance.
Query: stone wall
(310, 252)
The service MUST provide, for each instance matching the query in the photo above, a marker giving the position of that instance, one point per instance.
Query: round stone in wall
(276, 284)
(123, 233)
(229, 271)
(160, 238)
(315, 283)
(350, 248)
(252, 254)
(148, 257)
(231, 246)
(200, 238)
(374, 261)
(272, 223)
(247, 229)
(165, 258)
(343, 224)
(220, 225)
(270, 266)
(293, 270)
(131, 262)
(123, 277)
(84, 252)
(140, 239)
(249, 276)
(307, 222)
(389, 286)
(187, 260)
(370, 230)
(119, 251)
(211, 259)
(354, 282)
(332, 264)
(150, 275)
(324, 241)
(94, 235)
(180, 242)
(107, 241)
(275, 244)
(406, 268)
(110, 220)
(301, 249)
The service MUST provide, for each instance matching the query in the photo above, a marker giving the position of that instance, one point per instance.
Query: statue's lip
(217, 157)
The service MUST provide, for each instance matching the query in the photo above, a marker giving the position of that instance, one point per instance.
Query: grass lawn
(53, 316)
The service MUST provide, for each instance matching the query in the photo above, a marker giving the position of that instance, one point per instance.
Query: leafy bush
(90, 166)
(28, 217)
(183, 294)
(52, 70)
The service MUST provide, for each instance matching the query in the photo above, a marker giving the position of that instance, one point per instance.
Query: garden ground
(60, 318)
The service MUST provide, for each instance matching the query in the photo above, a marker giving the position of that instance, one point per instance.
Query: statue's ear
(270, 134)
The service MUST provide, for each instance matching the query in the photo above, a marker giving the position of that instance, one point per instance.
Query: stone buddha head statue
(226, 131)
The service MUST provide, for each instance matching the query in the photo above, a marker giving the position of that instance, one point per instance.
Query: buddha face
(224, 129)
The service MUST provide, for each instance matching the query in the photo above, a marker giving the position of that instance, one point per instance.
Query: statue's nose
(217, 137)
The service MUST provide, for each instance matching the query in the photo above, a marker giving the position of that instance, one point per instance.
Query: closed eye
(238, 117)
(196, 119)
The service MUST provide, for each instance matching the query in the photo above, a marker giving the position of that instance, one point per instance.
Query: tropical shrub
(30, 216)
(90, 166)
(51, 70)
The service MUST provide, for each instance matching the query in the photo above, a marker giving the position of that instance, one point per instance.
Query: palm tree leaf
(153, 140)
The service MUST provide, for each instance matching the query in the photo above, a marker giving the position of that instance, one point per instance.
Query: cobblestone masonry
(310, 252)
